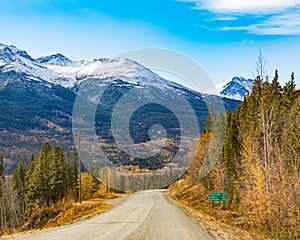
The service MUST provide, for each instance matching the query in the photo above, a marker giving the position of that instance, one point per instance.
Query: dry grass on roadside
(68, 211)
(73, 212)
(194, 200)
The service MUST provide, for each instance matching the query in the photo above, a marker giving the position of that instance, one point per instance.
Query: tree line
(259, 165)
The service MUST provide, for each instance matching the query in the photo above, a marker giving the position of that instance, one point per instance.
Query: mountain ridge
(36, 102)
(58, 69)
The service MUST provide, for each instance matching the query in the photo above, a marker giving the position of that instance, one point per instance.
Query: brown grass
(193, 199)
(61, 214)
(70, 213)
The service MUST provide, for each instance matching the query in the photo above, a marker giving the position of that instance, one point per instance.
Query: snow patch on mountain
(235, 87)
(58, 69)
(121, 68)
(55, 59)
(16, 60)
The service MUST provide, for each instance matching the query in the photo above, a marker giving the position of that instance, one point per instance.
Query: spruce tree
(216, 145)
(40, 176)
(30, 194)
(276, 88)
(293, 146)
(57, 174)
(71, 183)
(211, 118)
(288, 94)
(18, 181)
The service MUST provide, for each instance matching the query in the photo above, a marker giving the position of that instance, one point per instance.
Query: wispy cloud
(225, 18)
(283, 24)
(246, 42)
(244, 6)
(277, 17)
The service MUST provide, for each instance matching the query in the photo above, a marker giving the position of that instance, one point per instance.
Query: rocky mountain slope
(235, 87)
(37, 99)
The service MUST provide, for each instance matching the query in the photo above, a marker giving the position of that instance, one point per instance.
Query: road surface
(143, 216)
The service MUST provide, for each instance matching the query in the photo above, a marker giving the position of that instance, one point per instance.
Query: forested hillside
(259, 167)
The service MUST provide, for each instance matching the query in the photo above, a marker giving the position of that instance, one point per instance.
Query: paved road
(144, 216)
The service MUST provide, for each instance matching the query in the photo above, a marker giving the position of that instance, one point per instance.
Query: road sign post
(217, 197)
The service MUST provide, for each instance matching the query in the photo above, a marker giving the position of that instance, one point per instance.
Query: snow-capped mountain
(105, 68)
(10, 54)
(37, 98)
(58, 69)
(13, 59)
(235, 88)
(55, 59)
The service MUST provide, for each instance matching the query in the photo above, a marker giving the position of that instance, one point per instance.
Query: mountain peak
(10, 53)
(55, 59)
(12, 47)
(236, 87)
(119, 67)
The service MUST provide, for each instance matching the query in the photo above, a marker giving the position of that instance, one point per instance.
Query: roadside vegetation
(44, 193)
(259, 167)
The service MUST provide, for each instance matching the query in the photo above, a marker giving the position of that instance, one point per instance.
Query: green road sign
(217, 196)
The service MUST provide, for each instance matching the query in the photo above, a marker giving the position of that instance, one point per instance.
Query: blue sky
(223, 36)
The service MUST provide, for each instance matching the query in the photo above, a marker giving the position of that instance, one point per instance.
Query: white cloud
(284, 24)
(246, 42)
(245, 6)
(281, 17)
(225, 18)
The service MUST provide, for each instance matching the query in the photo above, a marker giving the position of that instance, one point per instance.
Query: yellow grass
(73, 212)
(196, 204)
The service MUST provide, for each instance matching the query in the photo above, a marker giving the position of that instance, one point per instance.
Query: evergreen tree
(293, 146)
(210, 120)
(288, 94)
(71, 168)
(232, 146)
(276, 88)
(288, 109)
(30, 194)
(40, 176)
(275, 115)
(18, 180)
(216, 145)
(74, 173)
(57, 174)
(232, 158)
